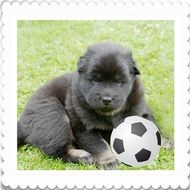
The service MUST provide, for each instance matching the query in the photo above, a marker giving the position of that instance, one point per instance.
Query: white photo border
(92, 10)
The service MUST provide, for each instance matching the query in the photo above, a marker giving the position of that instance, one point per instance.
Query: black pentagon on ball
(158, 138)
(143, 155)
(118, 145)
(138, 129)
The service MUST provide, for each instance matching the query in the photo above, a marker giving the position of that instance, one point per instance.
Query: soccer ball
(136, 141)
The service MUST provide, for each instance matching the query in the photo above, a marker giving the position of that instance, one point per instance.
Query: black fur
(80, 109)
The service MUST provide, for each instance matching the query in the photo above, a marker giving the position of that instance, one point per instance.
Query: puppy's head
(106, 75)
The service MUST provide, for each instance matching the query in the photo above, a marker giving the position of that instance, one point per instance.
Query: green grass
(47, 49)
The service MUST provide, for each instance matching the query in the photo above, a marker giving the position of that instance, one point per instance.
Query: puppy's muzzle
(106, 100)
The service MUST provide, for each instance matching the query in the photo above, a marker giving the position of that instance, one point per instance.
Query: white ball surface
(136, 141)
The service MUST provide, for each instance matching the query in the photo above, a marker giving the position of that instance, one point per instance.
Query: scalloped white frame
(101, 10)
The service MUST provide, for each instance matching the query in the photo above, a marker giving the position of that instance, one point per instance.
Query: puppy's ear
(81, 64)
(131, 62)
(134, 69)
(133, 66)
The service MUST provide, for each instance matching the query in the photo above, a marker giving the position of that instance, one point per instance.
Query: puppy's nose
(106, 100)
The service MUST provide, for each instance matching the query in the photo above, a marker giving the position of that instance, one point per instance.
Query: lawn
(47, 49)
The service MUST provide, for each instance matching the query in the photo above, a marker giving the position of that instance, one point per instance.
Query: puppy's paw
(109, 165)
(79, 155)
(106, 160)
(86, 158)
(166, 143)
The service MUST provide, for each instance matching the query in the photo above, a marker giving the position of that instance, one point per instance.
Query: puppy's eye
(118, 81)
(95, 80)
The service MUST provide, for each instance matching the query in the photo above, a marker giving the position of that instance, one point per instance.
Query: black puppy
(72, 116)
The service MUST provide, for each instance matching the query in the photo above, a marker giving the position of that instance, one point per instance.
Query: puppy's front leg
(92, 142)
